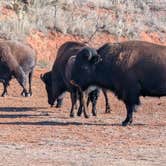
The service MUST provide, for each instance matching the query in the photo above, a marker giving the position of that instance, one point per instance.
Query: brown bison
(18, 60)
(57, 81)
(130, 69)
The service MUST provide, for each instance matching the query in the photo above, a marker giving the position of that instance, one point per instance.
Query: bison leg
(30, 82)
(23, 84)
(60, 100)
(107, 105)
(73, 101)
(129, 117)
(77, 96)
(83, 104)
(76, 105)
(21, 78)
(5, 85)
(59, 103)
(80, 109)
(93, 98)
(88, 101)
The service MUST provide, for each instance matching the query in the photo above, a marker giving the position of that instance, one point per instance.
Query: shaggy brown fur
(18, 60)
(129, 69)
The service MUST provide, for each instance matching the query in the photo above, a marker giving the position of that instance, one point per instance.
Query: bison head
(84, 67)
(46, 78)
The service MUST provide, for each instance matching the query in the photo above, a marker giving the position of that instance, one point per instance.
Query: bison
(129, 69)
(57, 81)
(16, 60)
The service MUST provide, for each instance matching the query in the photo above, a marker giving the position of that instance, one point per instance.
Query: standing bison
(18, 60)
(57, 81)
(130, 69)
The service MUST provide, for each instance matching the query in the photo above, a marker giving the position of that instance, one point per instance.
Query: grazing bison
(130, 69)
(57, 81)
(18, 60)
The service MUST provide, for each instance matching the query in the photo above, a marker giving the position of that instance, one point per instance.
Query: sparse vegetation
(42, 64)
(119, 18)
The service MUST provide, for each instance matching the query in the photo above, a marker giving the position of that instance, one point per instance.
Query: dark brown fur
(57, 81)
(129, 69)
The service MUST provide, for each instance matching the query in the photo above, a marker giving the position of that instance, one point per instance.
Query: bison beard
(129, 69)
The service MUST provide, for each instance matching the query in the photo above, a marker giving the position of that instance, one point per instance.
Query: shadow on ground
(58, 123)
(20, 109)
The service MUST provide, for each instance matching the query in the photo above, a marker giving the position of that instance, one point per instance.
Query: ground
(32, 133)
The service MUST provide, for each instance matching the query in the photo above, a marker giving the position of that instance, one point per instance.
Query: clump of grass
(126, 19)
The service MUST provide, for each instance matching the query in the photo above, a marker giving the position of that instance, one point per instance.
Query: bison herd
(129, 69)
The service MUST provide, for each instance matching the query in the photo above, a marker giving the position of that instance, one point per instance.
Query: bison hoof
(30, 94)
(86, 116)
(78, 113)
(108, 110)
(125, 123)
(4, 94)
(25, 94)
(94, 113)
(72, 115)
(58, 105)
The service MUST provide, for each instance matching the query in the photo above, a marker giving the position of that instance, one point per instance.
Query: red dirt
(32, 133)
(7, 13)
(46, 46)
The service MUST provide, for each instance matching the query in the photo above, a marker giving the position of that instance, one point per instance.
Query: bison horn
(90, 56)
(89, 53)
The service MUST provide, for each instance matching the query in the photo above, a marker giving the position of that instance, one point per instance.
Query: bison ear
(72, 58)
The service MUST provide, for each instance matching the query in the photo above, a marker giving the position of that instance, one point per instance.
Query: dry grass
(120, 18)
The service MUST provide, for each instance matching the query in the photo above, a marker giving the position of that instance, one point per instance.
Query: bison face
(84, 67)
(46, 78)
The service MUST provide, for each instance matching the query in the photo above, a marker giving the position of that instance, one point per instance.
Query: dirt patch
(46, 46)
(32, 133)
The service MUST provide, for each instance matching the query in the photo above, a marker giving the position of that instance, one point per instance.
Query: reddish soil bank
(46, 46)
